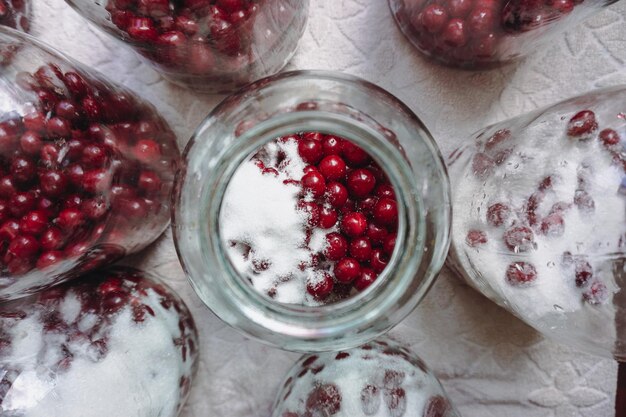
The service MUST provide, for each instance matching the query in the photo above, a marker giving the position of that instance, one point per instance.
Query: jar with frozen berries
(539, 222)
(86, 169)
(481, 34)
(312, 211)
(213, 46)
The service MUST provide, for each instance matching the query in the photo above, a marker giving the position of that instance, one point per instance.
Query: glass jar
(379, 378)
(539, 224)
(335, 104)
(15, 14)
(480, 34)
(213, 46)
(86, 169)
(118, 343)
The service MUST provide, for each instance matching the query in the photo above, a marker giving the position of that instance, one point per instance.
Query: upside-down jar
(312, 211)
(539, 222)
(213, 46)
(481, 34)
(86, 169)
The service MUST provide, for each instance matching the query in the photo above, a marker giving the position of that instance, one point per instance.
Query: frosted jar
(118, 343)
(212, 46)
(86, 169)
(539, 223)
(329, 103)
(381, 378)
(479, 34)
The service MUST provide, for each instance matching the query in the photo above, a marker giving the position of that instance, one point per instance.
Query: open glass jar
(86, 169)
(374, 122)
(479, 34)
(540, 219)
(211, 46)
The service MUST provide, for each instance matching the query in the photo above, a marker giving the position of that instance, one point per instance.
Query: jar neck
(239, 127)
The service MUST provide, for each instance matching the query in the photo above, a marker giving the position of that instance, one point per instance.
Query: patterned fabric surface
(490, 363)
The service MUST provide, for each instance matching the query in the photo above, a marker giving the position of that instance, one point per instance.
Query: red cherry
(311, 151)
(324, 400)
(459, 8)
(553, 225)
(497, 214)
(58, 127)
(519, 239)
(48, 259)
(332, 145)
(521, 274)
(385, 190)
(436, 406)
(34, 223)
(66, 110)
(336, 194)
(7, 189)
(481, 21)
(365, 279)
(353, 155)
(142, 29)
(53, 183)
(314, 183)
(385, 212)
(336, 246)
(332, 167)
(455, 33)
(320, 287)
(95, 208)
(75, 84)
(376, 234)
(328, 218)
(312, 211)
(23, 170)
(609, 138)
(69, 219)
(147, 151)
(354, 224)
(23, 247)
(582, 124)
(31, 143)
(378, 260)
(9, 230)
(366, 206)
(94, 156)
(360, 182)
(347, 270)
(390, 243)
(584, 273)
(21, 203)
(149, 181)
(476, 238)
(434, 18)
(52, 239)
(597, 294)
(361, 249)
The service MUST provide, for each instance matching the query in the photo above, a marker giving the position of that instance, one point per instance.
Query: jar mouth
(211, 166)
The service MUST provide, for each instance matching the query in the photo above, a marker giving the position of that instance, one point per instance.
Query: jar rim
(319, 325)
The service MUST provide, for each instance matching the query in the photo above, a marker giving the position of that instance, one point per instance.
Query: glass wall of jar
(86, 169)
(382, 139)
(380, 378)
(479, 34)
(15, 14)
(118, 343)
(539, 224)
(212, 46)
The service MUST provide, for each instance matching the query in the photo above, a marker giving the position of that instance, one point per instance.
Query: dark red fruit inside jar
(78, 140)
(521, 274)
(15, 14)
(349, 197)
(476, 33)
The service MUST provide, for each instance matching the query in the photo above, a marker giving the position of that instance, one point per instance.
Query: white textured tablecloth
(490, 363)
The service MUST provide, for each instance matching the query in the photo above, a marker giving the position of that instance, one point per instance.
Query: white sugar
(138, 376)
(262, 228)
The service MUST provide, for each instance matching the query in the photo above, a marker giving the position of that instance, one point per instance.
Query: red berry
(69, 219)
(521, 274)
(48, 259)
(385, 212)
(21, 203)
(597, 294)
(454, 33)
(312, 211)
(311, 151)
(324, 400)
(366, 206)
(376, 234)
(378, 260)
(436, 406)
(584, 201)
(582, 124)
(390, 243)
(476, 238)
(332, 167)
(434, 18)
(320, 287)
(31, 143)
(609, 137)
(519, 239)
(354, 224)
(584, 273)
(360, 183)
(328, 218)
(332, 145)
(94, 156)
(23, 170)
(553, 225)
(314, 183)
(347, 270)
(365, 279)
(58, 127)
(147, 151)
(459, 8)
(53, 183)
(482, 165)
(361, 249)
(34, 223)
(497, 214)
(336, 246)
(481, 21)
(336, 194)
(52, 239)
(385, 190)
(23, 247)
(149, 181)
(353, 154)
(95, 208)
(142, 29)
(9, 230)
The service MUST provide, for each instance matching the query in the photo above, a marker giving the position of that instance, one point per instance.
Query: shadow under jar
(86, 170)
(213, 46)
(304, 109)
(481, 34)
(539, 224)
